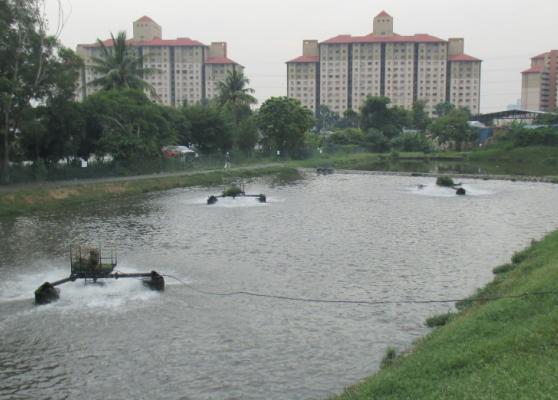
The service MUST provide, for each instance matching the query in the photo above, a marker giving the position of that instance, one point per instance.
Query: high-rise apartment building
(538, 88)
(342, 71)
(187, 71)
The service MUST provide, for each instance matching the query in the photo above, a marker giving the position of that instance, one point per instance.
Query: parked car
(178, 151)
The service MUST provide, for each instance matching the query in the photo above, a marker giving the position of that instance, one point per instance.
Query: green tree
(444, 108)
(347, 136)
(453, 128)
(550, 118)
(375, 140)
(234, 90)
(127, 125)
(350, 119)
(28, 59)
(283, 122)
(420, 117)
(376, 113)
(211, 130)
(325, 118)
(120, 66)
(247, 135)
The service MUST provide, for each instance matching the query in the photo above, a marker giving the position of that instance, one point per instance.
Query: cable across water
(358, 302)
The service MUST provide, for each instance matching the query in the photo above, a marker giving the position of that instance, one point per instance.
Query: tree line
(42, 121)
(378, 126)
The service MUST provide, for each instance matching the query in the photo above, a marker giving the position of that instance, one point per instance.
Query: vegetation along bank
(491, 349)
(38, 199)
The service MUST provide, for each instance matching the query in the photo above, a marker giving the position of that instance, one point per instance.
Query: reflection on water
(341, 236)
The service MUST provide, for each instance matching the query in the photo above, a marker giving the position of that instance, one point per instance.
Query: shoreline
(44, 198)
(492, 177)
(27, 199)
(499, 343)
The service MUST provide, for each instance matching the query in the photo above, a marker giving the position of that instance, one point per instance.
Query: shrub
(445, 181)
(374, 140)
(412, 142)
(389, 357)
(533, 137)
(439, 320)
(502, 269)
(519, 256)
(232, 191)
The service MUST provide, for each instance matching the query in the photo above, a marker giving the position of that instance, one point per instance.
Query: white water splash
(228, 202)
(108, 294)
(434, 190)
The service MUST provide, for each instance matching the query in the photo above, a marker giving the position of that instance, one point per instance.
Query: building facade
(187, 71)
(538, 87)
(343, 71)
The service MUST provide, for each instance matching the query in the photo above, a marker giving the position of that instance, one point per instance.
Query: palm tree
(120, 66)
(234, 90)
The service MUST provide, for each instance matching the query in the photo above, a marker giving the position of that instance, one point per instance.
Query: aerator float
(88, 263)
(234, 192)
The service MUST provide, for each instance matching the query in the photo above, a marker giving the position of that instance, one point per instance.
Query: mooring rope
(361, 302)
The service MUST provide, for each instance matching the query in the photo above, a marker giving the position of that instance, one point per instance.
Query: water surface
(359, 237)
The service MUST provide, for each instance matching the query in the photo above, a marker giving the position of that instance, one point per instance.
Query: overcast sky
(263, 34)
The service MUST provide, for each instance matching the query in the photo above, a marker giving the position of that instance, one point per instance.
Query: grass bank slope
(38, 199)
(530, 160)
(503, 349)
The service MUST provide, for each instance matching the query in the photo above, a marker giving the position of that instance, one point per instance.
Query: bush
(232, 191)
(502, 269)
(389, 357)
(374, 140)
(439, 320)
(412, 142)
(347, 136)
(532, 137)
(445, 181)
(519, 256)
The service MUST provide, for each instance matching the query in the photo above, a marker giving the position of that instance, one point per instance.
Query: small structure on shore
(87, 263)
(235, 191)
(446, 181)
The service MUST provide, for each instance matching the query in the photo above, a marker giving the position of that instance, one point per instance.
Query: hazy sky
(263, 34)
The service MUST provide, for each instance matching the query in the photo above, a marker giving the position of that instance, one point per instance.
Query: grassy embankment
(535, 161)
(37, 199)
(502, 349)
(531, 160)
(493, 160)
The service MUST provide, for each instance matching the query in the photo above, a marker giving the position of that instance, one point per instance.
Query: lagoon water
(354, 237)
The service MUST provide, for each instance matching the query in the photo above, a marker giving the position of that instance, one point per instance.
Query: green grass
(531, 160)
(503, 349)
(40, 199)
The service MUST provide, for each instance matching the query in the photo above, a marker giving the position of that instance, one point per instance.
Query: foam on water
(434, 190)
(228, 202)
(110, 294)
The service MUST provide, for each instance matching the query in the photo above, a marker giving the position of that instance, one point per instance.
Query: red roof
(534, 70)
(305, 59)
(168, 42)
(219, 60)
(418, 38)
(153, 42)
(383, 14)
(543, 55)
(145, 18)
(462, 57)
